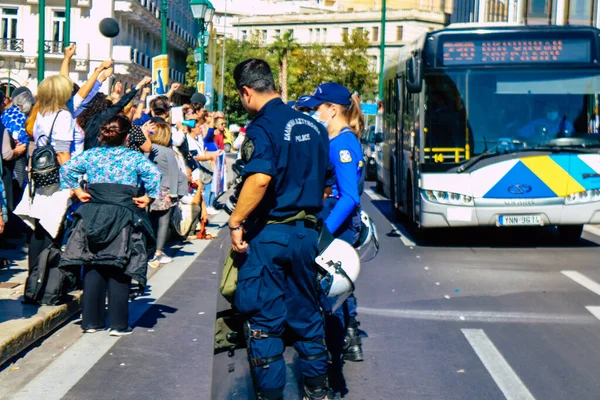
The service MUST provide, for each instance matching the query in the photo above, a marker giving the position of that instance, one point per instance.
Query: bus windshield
(470, 112)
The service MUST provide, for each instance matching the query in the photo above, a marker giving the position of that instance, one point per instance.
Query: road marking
(594, 310)
(482, 316)
(583, 281)
(505, 377)
(592, 229)
(373, 195)
(400, 231)
(58, 378)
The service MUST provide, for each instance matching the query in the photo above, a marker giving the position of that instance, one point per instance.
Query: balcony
(12, 45)
(55, 47)
(140, 58)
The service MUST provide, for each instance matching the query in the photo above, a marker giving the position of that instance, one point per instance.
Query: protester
(172, 186)
(100, 110)
(112, 232)
(53, 125)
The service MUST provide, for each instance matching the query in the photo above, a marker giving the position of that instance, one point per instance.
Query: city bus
(494, 125)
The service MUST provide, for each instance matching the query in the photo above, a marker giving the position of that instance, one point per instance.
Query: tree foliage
(281, 49)
(306, 67)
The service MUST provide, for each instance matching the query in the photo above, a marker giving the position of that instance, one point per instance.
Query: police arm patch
(345, 156)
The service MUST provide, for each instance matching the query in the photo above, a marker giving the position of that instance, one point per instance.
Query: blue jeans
(276, 288)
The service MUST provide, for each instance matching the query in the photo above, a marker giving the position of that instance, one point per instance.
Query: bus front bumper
(435, 215)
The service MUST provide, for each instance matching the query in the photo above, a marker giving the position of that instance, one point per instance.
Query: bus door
(399, 138)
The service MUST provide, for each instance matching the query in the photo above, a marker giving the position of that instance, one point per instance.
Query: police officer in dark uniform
(285, 177)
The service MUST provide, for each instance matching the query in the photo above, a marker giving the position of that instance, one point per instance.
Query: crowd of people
(74, 159)
(98, 184)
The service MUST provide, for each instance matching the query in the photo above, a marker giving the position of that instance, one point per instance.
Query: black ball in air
(109, 27)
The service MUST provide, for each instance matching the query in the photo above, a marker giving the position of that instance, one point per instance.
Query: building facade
(132, 50)
(327, 29)
(533, 12)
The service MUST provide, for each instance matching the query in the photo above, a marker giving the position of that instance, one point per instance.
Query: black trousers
(97, 280)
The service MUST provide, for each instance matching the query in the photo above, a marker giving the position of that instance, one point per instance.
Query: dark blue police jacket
(293, 149)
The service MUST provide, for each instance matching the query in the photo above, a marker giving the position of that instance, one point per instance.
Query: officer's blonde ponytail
(355, 116)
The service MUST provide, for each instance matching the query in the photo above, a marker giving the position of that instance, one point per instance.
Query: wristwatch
(235, 229)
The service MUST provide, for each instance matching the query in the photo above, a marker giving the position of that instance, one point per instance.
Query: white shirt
(63, 129)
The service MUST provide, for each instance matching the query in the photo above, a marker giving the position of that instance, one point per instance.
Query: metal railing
(55, 47)
(12, 45)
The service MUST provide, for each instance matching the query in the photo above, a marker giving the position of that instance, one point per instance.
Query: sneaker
(154, 263)
(125, 332)
(90, 330)
(163, 258)
(212, 211)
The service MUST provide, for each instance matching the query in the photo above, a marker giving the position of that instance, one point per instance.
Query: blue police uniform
(341, 212)
(276, 284)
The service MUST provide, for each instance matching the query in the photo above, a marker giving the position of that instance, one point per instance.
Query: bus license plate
(506, 220)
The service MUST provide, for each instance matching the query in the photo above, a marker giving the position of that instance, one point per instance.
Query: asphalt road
(469, 314)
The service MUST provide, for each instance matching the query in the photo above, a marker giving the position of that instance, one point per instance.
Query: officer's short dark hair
(255, 74)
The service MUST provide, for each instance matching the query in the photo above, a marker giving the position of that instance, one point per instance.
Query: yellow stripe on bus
(556, 178)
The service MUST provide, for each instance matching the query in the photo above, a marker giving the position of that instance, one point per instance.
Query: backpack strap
(49, 136)
(52, 128)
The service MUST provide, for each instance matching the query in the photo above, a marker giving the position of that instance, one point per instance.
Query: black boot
(353, 343)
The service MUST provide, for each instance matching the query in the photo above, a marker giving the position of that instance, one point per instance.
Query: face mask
(552, 115)
(317, 117)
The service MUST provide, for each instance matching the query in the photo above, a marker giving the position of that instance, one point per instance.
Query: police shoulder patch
(247, 149)
(345, 156)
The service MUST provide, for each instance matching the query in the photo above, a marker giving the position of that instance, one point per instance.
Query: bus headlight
(588, 196)
(441, 197)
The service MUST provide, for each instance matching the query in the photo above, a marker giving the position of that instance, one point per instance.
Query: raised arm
(69, 53)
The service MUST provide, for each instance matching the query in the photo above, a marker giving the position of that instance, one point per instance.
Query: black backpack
(46, 284)
(44, 163)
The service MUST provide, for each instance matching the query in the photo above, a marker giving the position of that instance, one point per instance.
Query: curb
(40, 325)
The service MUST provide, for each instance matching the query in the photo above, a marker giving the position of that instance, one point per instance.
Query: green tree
(281, 50)
(236, 52)
(310, 67)
(191, 75)
(353, 68)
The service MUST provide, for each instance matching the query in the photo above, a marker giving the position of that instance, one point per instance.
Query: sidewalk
(22, 325)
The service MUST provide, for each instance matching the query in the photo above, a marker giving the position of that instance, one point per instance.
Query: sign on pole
(208, 86)
(160, 74)
(369, 109)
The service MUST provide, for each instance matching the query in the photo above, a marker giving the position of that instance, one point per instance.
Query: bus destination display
(489, 52)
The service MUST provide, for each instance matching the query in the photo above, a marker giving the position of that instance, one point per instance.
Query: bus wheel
(570, 234)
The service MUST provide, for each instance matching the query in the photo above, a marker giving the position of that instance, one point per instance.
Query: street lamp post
(163, 21)
(41, 64)
(203, 11)
(67, 34)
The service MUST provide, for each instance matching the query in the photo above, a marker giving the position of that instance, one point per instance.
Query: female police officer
(285, 173)
(340, 112)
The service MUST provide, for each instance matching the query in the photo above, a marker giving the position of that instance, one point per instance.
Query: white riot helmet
(368, 243)
(339, 268)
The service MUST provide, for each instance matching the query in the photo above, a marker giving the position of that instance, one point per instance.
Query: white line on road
(595, 310)
(399, 230)
(583, 281)
(60, 376)
(592, 229)
(373, 195)
(481, 316)
(502, 373)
